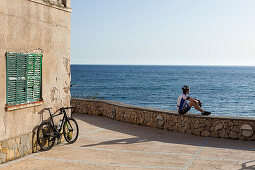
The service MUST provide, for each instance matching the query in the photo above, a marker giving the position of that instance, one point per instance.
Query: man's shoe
(206, 113)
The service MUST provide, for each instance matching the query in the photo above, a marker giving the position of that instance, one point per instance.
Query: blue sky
(163, 32)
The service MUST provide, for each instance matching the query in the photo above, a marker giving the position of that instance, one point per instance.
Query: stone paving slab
(108, 144)
(117, 157)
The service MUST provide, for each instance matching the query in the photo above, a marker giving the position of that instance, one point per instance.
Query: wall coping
(114, 103)
(49, 4)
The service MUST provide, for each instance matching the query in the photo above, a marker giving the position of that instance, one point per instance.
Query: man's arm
(190, 98)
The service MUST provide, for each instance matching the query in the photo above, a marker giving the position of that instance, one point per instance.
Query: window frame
(20, 94)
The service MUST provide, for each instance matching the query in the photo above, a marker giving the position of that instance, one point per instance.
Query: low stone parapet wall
(194, 124)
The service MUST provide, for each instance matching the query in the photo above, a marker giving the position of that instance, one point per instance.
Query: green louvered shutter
(34, 77)
(16, 78)
(23, 78)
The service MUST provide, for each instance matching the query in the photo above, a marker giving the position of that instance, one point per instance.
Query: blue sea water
(223, 90)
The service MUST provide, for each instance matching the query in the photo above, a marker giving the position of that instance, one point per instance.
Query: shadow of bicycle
(248, 165)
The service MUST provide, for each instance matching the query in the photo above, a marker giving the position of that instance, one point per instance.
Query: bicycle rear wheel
(71, 130)
(45, 136)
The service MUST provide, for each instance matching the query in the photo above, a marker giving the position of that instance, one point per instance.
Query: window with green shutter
(23, 78)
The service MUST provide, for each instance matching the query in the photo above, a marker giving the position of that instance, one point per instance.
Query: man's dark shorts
(184, 110)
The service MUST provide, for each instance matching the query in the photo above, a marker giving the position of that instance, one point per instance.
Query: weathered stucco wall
(35, 26)
(208, 126)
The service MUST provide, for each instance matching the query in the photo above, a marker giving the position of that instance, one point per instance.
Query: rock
(17, 140)
(196, 132)
(223, 134)
(17, 155)
(215, 134)
(2, 157)
(175, 119)
(201, 125)
(196, 124)
(236, 129)
(232, 135)
(175, 129)
(207, 123)
(231, 123)
(219, 126)
(10, 155)
(5, 143)
(188, 132)
(205, 133)
(208, 128)
(236, 123)
(216, 123)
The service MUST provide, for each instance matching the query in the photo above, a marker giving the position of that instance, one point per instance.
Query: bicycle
(48, 132)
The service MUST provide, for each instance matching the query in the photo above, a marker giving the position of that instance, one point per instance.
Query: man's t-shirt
(182, 102)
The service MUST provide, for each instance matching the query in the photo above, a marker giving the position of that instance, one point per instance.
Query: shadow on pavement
(145, 134)
(246, 165)
(119, 141)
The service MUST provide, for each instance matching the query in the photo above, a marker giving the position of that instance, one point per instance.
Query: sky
(163, 32)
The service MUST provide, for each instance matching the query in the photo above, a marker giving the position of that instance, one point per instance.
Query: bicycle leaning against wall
(48, 132)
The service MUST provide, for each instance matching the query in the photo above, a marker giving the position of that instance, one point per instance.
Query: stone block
(215, 134)
(4, 150)
(205, 133)
(17, 154)
(11, 143)
(21, 149)
(223, 134)
(23, 139)
(240, 136)
(175, 129)
(188, 132)
(5, 144)
(236, 129)
(196, 125)
(196, 132)
(233, 135)
(215, 123)
(10, 155)
(208, 128)
(231, 123)
(175, 119)
(207, 123)
(236, 123)
(218, 127)
(17, 140)
(2, 157)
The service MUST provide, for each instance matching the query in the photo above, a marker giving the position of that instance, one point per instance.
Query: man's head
(185, 89)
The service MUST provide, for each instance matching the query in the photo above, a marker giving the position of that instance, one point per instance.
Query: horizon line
(166, 65)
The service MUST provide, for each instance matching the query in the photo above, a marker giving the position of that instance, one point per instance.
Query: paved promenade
(108, 144)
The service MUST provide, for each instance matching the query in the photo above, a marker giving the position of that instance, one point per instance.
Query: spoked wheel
(71, 130)
(45, 136)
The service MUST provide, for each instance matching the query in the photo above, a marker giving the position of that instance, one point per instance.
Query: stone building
(34, 68)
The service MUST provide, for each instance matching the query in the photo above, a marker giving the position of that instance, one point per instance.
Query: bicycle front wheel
(45, 136)
(71, 130)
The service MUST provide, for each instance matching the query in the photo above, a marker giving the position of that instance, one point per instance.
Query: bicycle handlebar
(47, 108)
(61, 109)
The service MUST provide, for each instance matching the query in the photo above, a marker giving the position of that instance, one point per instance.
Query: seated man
(182, 103)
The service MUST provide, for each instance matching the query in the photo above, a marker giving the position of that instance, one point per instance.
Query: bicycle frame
(65, 118)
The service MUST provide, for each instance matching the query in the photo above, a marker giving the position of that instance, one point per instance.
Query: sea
(223, 90)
